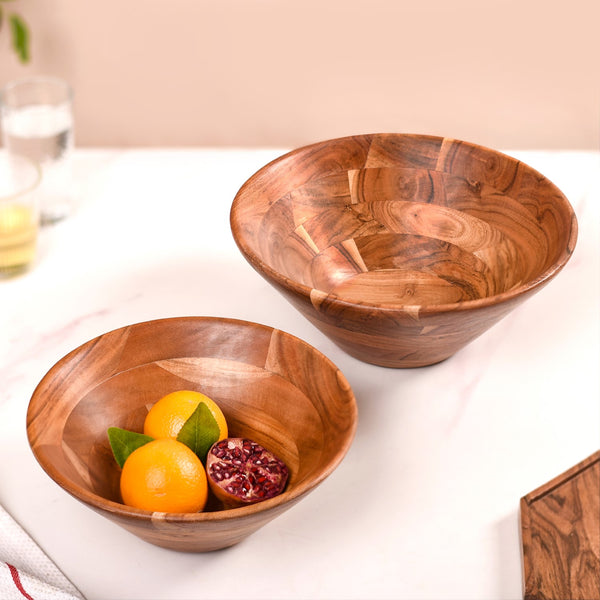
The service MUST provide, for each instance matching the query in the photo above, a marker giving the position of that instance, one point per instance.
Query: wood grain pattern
(271, 386)
(560, 533)
(402, 248)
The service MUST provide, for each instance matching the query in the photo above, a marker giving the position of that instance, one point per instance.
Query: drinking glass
(20, 180)
(37, 122)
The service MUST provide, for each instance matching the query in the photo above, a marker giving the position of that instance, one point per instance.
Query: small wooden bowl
(402, 248)
(271, 386)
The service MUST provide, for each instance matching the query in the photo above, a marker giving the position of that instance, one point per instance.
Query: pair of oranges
(165, 475)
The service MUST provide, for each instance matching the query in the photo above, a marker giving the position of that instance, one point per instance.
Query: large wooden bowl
(271, 386)
(403, 248)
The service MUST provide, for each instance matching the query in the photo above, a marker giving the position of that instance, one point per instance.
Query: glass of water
(37, 122)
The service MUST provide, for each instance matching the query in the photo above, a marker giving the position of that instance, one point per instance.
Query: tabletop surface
(444, 452)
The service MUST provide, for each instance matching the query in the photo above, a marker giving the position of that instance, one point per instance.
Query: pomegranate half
(240, 472)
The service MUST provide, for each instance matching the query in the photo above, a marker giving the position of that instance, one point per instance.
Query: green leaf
(200, 431)
(20, 37)
(124, 442)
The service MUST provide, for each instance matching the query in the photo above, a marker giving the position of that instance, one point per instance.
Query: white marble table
(425, 505)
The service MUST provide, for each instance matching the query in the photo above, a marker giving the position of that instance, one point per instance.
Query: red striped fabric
(17, 581)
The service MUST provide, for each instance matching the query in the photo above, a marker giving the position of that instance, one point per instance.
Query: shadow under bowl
(272, 387)
(402, 248)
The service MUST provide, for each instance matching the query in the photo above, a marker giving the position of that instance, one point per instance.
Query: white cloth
(26, 572)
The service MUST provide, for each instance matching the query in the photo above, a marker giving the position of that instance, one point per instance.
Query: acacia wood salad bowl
(402, 248)
(271, 386)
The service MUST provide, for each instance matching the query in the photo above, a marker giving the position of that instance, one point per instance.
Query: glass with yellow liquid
(20, 179)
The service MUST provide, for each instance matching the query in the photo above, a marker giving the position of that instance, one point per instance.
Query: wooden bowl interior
(271, 387)
(393, 219)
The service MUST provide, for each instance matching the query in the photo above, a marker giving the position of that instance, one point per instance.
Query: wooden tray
(560, 535)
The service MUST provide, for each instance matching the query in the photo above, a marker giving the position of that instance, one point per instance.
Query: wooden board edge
(562, 478)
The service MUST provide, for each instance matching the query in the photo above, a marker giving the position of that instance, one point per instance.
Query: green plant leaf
(20, 37)
(124, 442)
(200, 431)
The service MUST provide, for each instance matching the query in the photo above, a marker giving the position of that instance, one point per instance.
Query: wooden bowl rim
(306, 291)
(124, 511)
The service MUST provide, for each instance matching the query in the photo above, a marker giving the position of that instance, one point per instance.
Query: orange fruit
(164, 476)
(167, 416)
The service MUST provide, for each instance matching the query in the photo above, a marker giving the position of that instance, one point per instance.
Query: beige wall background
(503, 73)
